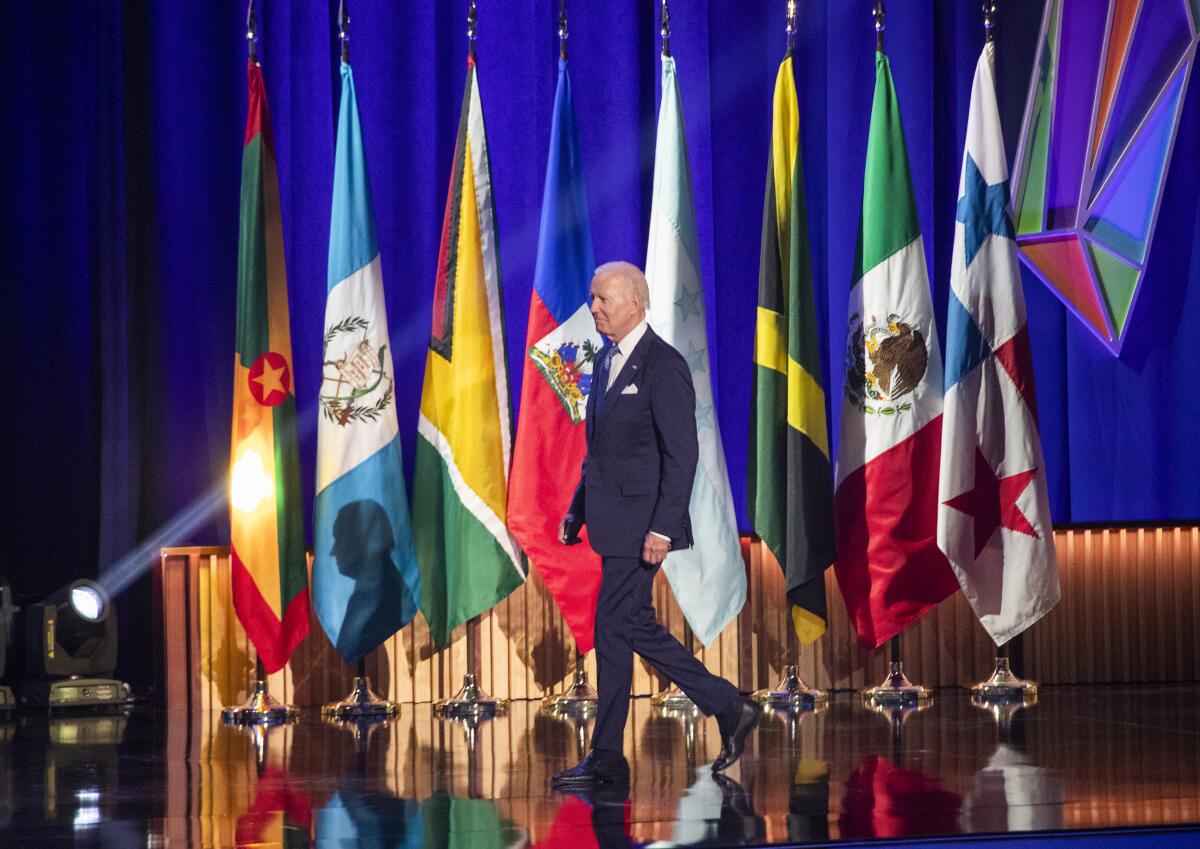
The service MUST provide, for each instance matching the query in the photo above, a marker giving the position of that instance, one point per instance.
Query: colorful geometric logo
(1100, 123)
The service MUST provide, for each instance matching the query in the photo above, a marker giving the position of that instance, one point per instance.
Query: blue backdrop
(122, 146)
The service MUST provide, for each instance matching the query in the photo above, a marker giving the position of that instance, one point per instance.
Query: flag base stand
(673, 701)
(260, 709)
(470, 702)
(362, 703)
(1004, 686)
(896, 689)
(791, 693)
(579, 698)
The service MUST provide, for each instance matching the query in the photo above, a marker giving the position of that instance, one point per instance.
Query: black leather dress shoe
(735, 731)
(596, 769)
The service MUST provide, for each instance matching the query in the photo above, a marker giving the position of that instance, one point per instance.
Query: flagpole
(472, 29)
(877, 13)
(791, 26)
(344, 30)
(665, 30)
(251, 33)
(562, 31)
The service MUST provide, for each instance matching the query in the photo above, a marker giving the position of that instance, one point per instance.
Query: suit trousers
(626, 623)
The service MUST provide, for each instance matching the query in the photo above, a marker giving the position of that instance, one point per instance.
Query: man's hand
(568, 531)
(655, 549)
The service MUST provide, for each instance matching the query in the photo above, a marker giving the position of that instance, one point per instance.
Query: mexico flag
(266, 514)
(994, 517)
(889, 566)
(468, 560)
(560, 347)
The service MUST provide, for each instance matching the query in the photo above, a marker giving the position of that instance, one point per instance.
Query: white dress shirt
(624, 348)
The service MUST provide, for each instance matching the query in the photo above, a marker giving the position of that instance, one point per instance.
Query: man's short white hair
(631, 276)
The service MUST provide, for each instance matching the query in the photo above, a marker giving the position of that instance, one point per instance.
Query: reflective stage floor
(1082, 760)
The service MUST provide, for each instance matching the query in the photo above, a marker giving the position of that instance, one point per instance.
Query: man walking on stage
(633, 495)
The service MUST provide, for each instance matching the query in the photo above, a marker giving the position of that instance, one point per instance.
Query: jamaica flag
(789, 483)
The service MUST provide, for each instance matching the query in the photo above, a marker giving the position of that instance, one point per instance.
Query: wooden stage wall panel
(1128, 614)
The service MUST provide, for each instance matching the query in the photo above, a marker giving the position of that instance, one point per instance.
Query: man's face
(614, 307)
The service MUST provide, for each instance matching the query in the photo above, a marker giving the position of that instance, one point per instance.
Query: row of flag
(939, 481)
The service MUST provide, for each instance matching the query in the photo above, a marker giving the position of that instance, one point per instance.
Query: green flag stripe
(803, 343)
(253, 333)
(463, 573)
(289, 512)
(889, 211)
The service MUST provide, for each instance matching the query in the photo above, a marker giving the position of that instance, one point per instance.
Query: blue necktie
(600, 377)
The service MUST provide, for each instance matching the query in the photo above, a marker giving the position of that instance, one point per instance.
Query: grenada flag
(266, 514)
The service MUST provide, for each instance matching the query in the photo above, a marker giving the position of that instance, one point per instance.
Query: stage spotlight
(7, 612)
(70, 650)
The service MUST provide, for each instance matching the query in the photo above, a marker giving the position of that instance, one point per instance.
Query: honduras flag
(709, 580)
(993, 514)
(365, 580)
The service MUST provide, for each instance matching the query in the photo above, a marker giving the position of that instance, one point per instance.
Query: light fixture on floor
(70, 650)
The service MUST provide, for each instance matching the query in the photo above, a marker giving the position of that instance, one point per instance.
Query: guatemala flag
(994, 514)
(365, 580)
(709, 579)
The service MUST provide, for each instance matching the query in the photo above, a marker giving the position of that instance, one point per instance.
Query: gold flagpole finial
(666, 29)
(989, 20)
(472, 29)
(562, 31)
(251, 32)
(791, 26)
(344, 30)
(877, 14)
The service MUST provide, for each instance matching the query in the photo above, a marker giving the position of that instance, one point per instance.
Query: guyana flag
(789, 480)
(266, 515)
(467, 558)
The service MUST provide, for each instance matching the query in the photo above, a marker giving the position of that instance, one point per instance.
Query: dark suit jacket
(641, 461)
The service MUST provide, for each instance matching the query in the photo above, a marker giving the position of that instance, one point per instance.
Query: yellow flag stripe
(770, 340)
(459, 396)
(254, 525)
(806, 406)
(785, 135)
(808, 625)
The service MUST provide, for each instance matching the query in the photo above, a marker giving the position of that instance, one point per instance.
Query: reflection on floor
(1084, 758)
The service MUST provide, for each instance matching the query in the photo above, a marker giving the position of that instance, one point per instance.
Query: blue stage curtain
(122, 145)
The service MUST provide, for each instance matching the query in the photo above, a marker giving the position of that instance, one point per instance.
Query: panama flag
(560, 345)
(709, 579)
(994, 516)
(365, 580)
(889, 566)
(469, 561)
(266, 514)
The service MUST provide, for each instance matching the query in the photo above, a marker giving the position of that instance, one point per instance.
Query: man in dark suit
(633, 495)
